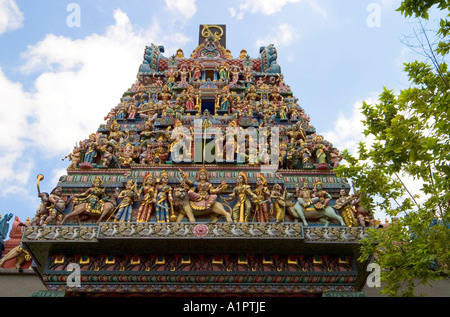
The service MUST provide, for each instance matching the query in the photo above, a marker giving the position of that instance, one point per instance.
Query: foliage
(411, 141)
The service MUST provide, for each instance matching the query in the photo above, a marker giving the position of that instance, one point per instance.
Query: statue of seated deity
(126, 155)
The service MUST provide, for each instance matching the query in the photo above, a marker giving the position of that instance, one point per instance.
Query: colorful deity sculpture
(184, 76)
(223, 71)
(296, 135)
(262, 200)
(305, 197)
(320, 150)
(74, 157)
(147, 134)
(108, 156)
(4, 228)
(164, 199)
(197, 70)
(225, 99)
(201, 193)
(363, 215)
(335, 158)
(171, 75)
(323, 204)
(16, 250)
(235, 72)
(344, 205)
(147, 191)
(160, 152)
(129, 195)
(115, 134)
(243, 207)
(190, 99)
(43, 210)
(93, 197)
(279, 198)
(91, 151)
(58, 204)
(126, 155)
(166, 95)
(305, 155)
(203, 196)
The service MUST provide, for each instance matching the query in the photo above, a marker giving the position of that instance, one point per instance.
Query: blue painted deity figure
(269, 60)
(151, 58)
(163, 199)
(91, 151)
(305, 155)
(121, 111)
(4, 228)
(128, 196)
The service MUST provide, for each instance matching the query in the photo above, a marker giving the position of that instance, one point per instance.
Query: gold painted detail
(206, 32)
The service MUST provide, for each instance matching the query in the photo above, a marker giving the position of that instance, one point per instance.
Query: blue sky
(58, 82)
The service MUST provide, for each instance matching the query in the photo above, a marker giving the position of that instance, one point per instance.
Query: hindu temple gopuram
(206, 179)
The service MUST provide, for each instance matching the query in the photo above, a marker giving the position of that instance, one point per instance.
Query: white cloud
(284, 35)
(270, 7)
(15, 110)
(318, 9)
(348, 128)
(185, 9)
(11, 18)
(265, 7)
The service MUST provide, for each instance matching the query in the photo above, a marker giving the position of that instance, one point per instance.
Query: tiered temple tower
(207, 178)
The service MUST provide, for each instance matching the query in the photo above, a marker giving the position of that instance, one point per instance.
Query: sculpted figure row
(157, 200)
(120, 149)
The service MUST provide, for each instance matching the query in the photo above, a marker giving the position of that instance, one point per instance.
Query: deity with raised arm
(202, 193)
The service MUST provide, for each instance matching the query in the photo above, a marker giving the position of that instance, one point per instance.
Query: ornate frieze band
(226, 230)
